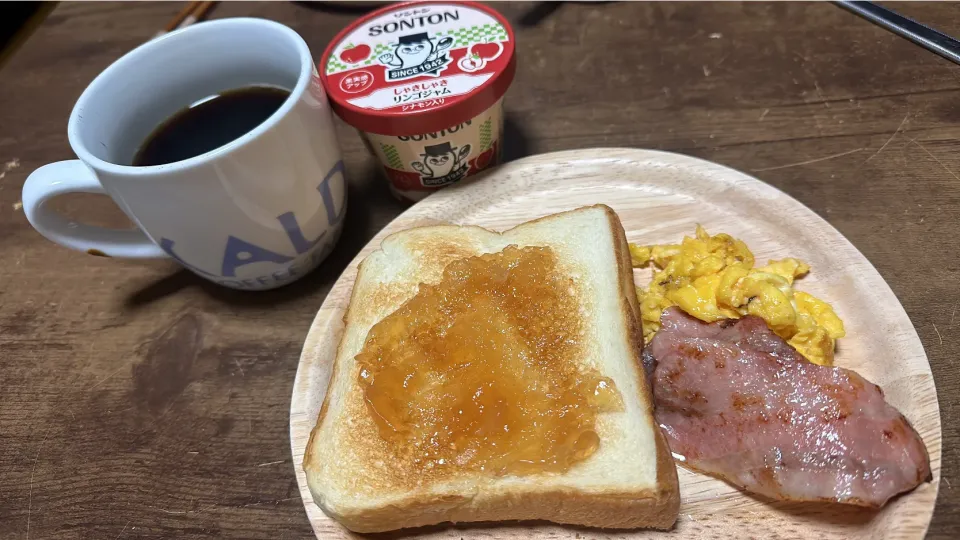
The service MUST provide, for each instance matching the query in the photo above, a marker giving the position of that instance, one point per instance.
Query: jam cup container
(423, 83)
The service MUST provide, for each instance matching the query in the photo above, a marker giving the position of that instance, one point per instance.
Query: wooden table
(136, 400)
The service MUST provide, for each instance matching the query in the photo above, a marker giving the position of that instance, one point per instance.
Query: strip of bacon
(737, 402)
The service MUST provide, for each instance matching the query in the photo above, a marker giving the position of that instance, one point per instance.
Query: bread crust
(655, 507)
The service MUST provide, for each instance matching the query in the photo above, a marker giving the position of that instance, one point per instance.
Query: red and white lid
(418, 67)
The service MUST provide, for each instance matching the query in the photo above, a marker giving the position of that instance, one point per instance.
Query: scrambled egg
(713, 278)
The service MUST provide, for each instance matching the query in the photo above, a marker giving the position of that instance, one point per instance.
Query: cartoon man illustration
(442, 164)
(416, 54)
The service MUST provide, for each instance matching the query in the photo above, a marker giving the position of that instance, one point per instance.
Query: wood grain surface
(138, 401)
(660, 197)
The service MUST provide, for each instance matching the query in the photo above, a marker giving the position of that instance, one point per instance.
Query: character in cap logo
(416, 54)
(442, 164)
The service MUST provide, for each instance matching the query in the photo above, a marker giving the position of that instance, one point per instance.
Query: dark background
(16, 21)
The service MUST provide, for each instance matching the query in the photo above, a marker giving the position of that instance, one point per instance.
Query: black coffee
(209, 124)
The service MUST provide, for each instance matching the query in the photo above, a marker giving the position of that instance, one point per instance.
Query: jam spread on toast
(482, 370)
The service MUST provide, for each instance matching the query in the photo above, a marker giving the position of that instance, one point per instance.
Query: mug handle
(73, 176)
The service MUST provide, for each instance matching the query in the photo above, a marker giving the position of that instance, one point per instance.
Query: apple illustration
(352, 55)
(484, 159)
(471, 63)
(403, 179)
(487, 51)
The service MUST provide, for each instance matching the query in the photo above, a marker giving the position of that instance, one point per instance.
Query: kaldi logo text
(410, 20)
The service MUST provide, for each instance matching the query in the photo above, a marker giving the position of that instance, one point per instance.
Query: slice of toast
(629, 482)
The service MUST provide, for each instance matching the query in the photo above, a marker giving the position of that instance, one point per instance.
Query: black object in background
(924, 36)
(17, 20)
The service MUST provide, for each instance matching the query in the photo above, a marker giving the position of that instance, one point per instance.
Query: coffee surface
(209, 124)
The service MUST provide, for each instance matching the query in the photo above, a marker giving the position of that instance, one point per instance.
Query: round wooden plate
(660, 197)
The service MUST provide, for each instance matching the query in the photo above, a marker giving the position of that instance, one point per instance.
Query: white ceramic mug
(256, 213)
